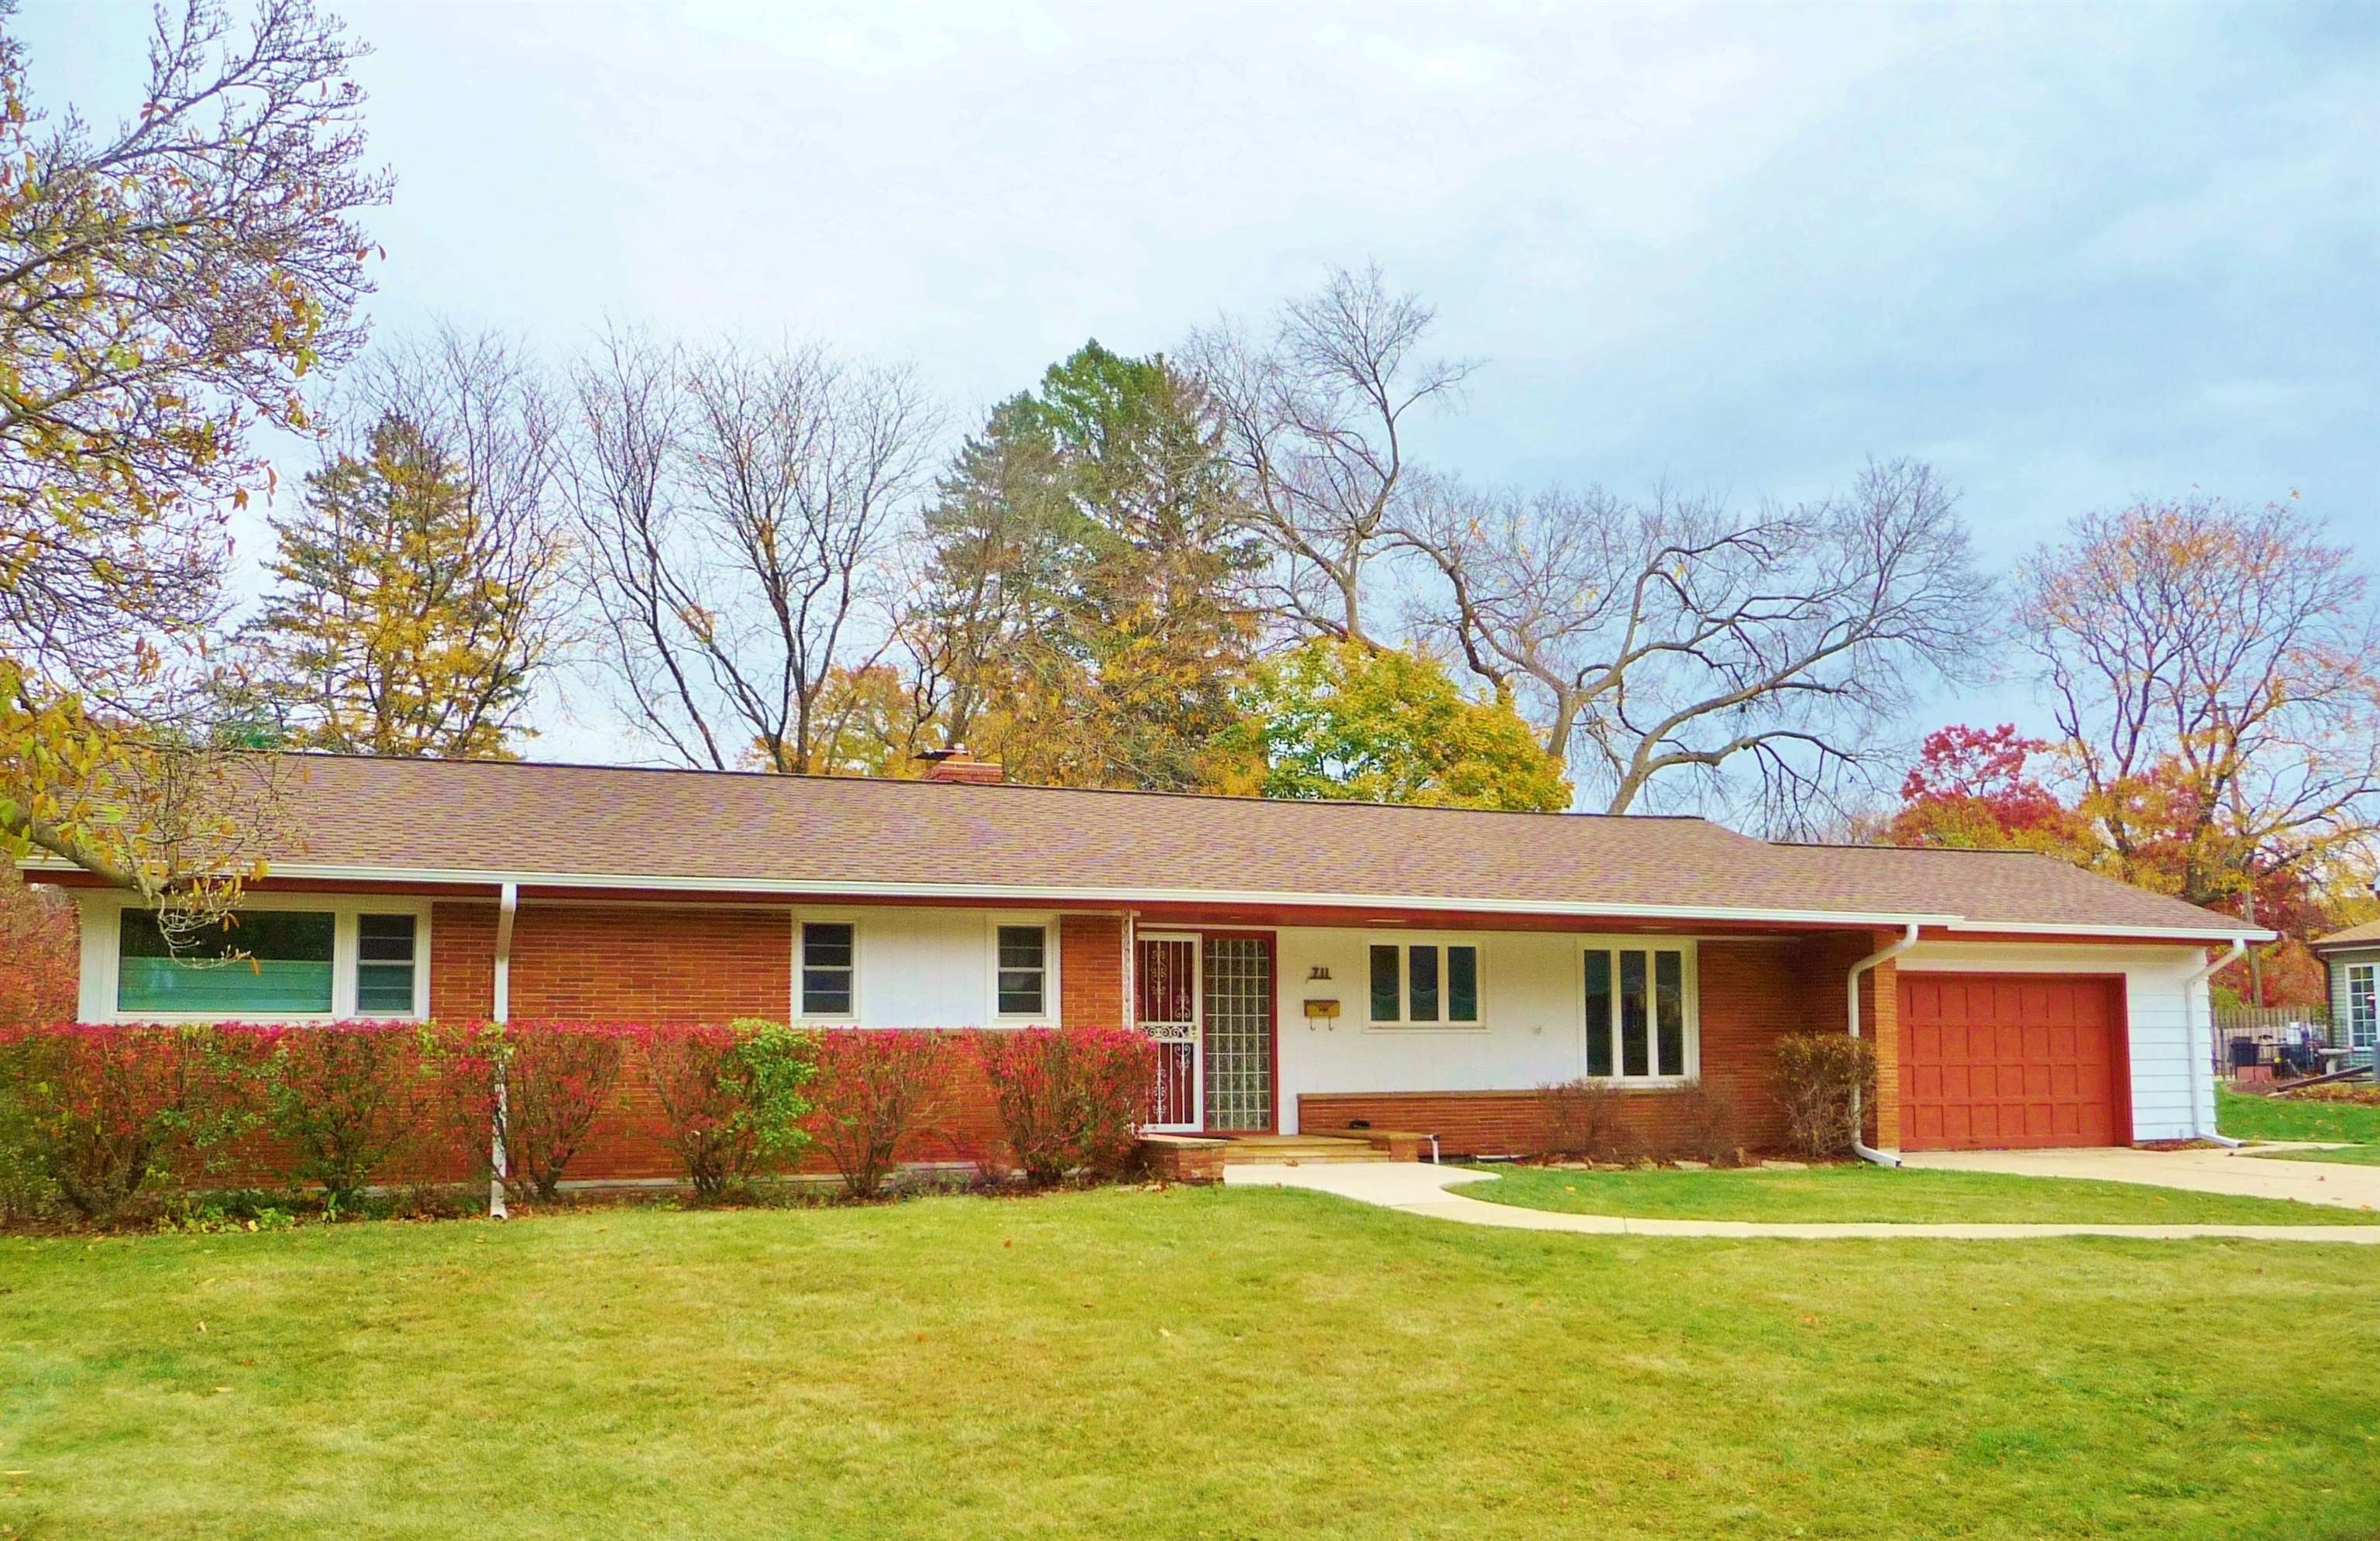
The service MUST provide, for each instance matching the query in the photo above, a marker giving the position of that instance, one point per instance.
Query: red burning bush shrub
(103, 1113)
(1070, 1099)
(731, 1099)
(875, 1091)
(558, 1076)
(357, 1102)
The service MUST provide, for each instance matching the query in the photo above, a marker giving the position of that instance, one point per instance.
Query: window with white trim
(270, 964)
(1022, 970)
(384, 963)
(2363, 1006)
(830, 967)
(1639, 1014)
(1425, 984)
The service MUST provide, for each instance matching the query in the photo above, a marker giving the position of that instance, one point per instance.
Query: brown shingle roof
(2365, 935)
(800, 833)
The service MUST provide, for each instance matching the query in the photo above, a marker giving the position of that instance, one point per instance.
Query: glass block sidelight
(1239, 1033)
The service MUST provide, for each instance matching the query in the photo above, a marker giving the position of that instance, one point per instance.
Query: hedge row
(98, 1116)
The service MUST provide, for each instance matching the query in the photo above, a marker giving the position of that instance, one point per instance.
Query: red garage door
(2003, 1061)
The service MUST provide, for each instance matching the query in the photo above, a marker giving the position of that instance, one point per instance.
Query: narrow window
(1423, 966)
(1634, 1060)
(1022, 970)
(826, 968)
(1669, 1012)
(384, 962)
(1463, 984)
(1386, 985)
(255, 962)
(2362, 1006)
(1598, 1011)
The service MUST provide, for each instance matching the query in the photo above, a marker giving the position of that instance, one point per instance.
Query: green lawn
(1215, 1363)
(2247, 1117)
(2244, 1116)
(2351, 1155)
(1867, 1193)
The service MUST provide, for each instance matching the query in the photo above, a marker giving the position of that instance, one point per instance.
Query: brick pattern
(631, 963)
(462, 960)
(1090, 971)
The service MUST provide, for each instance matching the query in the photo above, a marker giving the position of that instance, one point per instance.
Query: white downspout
(1908, 940)
(2203, 1064)
(501, 1011)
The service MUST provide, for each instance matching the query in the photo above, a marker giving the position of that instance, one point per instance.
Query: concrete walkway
(1416, 1188)
(2336, 1185)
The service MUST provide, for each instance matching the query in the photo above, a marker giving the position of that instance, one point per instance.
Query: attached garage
(2005, 1062)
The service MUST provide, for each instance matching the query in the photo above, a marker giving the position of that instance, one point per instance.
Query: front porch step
(1304, 1149)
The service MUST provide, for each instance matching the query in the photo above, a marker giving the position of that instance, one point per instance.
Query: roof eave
(1127, 897)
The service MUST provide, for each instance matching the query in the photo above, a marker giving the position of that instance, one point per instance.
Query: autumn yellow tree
(1350, 721)
(163, 288)
(411, 616)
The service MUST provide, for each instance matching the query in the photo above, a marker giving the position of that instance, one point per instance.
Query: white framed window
(1640, 1012)
(828, 975)
(1021, 970)
(2363, 1006)
(1424, 984)
(277, 958)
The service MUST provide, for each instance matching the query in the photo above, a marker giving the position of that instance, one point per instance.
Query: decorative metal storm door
(1167, 984)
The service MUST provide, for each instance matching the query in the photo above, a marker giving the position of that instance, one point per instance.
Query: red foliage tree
(37, 956)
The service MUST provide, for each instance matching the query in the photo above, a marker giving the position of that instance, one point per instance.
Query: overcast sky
(2074, 256)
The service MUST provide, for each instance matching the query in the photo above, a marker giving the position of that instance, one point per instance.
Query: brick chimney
(954, 764)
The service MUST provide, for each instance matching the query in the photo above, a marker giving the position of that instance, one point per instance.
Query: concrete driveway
(2206, 1171)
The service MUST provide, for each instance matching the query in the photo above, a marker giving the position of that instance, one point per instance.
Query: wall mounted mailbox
(1322, 1008)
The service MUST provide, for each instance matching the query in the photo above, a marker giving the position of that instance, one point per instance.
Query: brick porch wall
(1090, 971)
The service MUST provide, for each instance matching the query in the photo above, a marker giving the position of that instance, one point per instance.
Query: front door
(1166, 984)
(1235, 983)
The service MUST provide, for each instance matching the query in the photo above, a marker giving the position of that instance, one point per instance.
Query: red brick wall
(1825, 963)
(1090, 971)
(462, 960)
(632, 963)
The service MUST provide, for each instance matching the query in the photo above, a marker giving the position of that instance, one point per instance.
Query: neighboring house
(2351, 961)
(1305, 965)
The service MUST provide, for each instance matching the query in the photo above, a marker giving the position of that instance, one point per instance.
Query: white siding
(1531, 1028)
(921, 967)
(2166, 1018)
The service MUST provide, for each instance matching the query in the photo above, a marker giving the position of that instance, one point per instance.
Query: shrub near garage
(1819, 1079)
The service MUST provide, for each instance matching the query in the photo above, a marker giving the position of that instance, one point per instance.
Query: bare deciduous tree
(1315, 418)
(1667, 644)
(732, 511)
(2216, 674)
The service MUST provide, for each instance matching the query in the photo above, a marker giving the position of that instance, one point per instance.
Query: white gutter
(501, 1010)
(2203, 1064)
(1908, 940)
(1128, 898)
